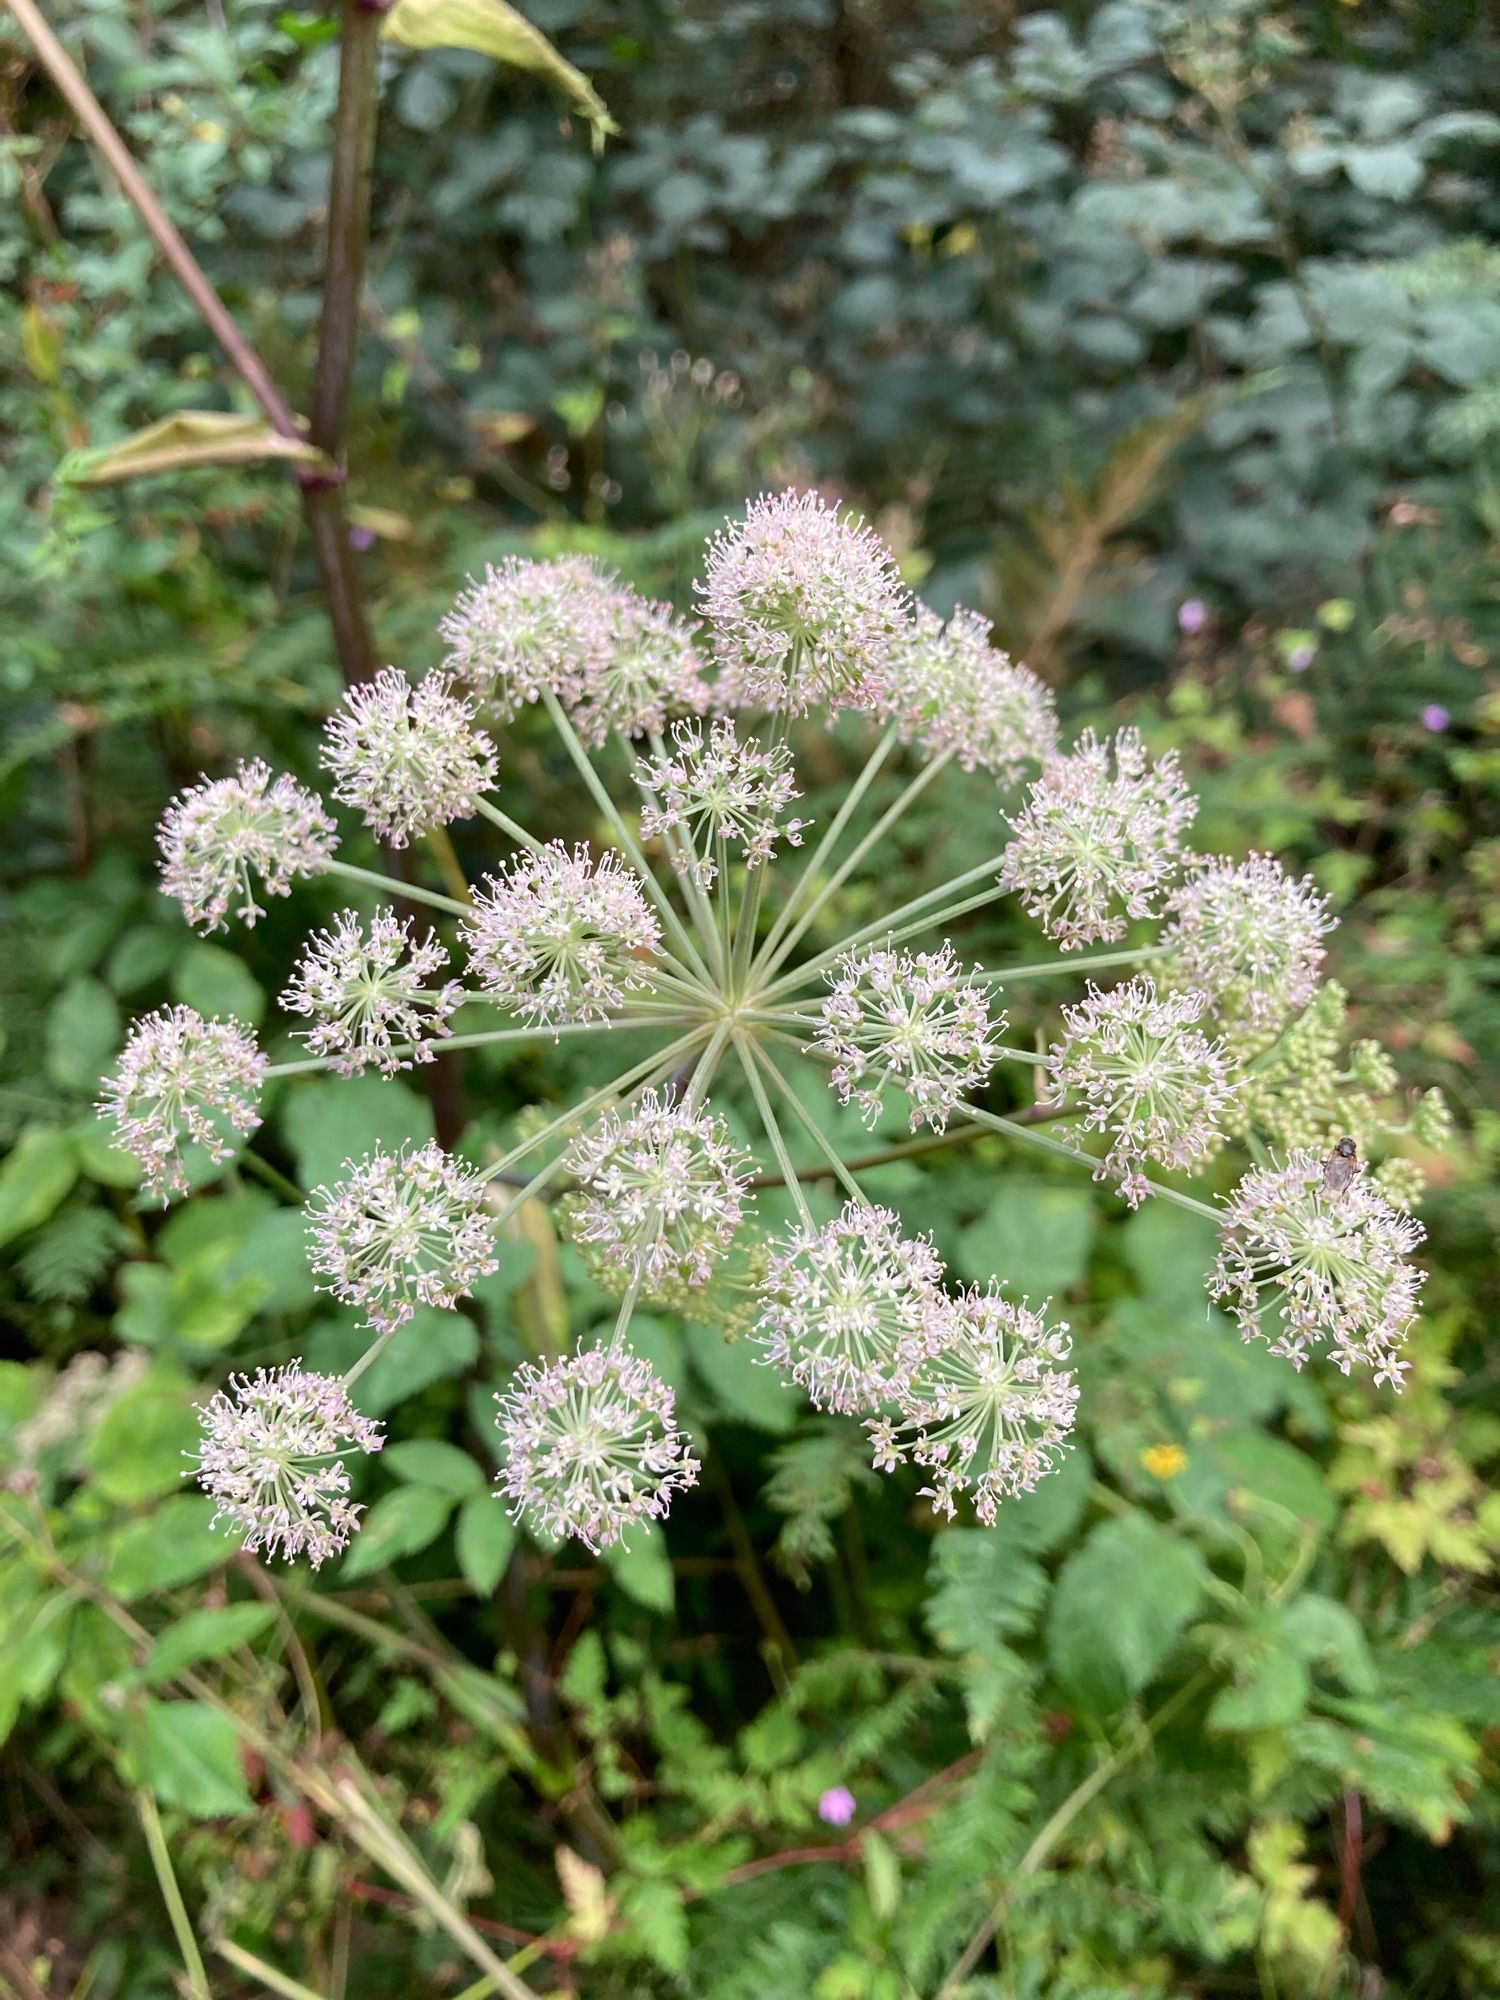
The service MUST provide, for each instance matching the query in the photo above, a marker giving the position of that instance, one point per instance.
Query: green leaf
(746, 1390)
(196, 1310)
(184, 441)
(485, 1537)
(1121, 1600)
(431, 1462)
(1328, 1635)
(399, 1524)
(172, 1545)
(141, 1445)
(1270, 1690)
(190, 1758)
(431, 1346)
(83, 1033)
(640, 1565)
(495, 29)
(206, 1635)
(217, 984)
(330, 1123)
(1035, 1236)
(39, 1170)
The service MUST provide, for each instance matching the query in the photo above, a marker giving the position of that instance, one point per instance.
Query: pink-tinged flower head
(847, 1310)
(592, 1445)
(405, 1229)
(1148, 1075)
(948, 689)
(650, 672)
(1251, 937)
(272, 1457)
(616, 660)
(914, 1021)
(368, 989)
(407, 758)
(182, 1080)
(717, 790)
(1099, 839)
(1304, 1268)
(558, 937)
(804, 604)
(662, 1192)
(989, 1407)
(837, 1806)
(215, 836)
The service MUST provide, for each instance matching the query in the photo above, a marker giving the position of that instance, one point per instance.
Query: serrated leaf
(1271, 1687)
(205, 1635)
(1035, 1236)
(399, 1524)
(495, 29)
(1120, 1602)
(190, 1757)
(485, 1537)
(185, 440)
(172, 1545)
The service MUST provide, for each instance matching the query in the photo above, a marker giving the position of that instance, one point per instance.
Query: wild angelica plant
(707, 955)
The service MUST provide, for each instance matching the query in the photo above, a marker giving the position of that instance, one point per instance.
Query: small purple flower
(361, 539)
(1300, 658)
(837, 1806)
(1435, 717)
(1192, 615)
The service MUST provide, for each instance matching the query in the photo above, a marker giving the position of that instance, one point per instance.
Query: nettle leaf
(399, 1524)
(172, 1545)
(190, 1757)
(1121, 1601)
(206, 1635)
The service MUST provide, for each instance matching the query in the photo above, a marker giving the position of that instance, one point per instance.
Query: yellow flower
(208, 130)
(1164, 1461)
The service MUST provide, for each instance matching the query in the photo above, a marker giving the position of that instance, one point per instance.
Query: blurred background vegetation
(1169, 335)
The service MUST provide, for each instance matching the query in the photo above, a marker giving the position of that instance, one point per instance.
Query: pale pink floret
(617, 661)
(272, 1457)
(662, 1193)
(1251, 936)
(915, 1022)
(1147, 1075)
(805, 605)
(560, 937)
(183, 1080)
(591, 1446)
(405, 1230)
(216, 836)
(1305, 1269)
(989, 1407)
(947, 688)
(1099, 840)
(848, 1310)
(368, 989)
(407, 758)
(716, 790)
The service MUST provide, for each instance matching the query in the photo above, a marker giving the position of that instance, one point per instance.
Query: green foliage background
(1096, 311)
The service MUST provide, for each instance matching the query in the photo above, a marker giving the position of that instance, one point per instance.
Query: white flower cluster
(728, 975)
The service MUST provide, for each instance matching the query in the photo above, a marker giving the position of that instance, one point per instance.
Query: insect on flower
(1341, 1166)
